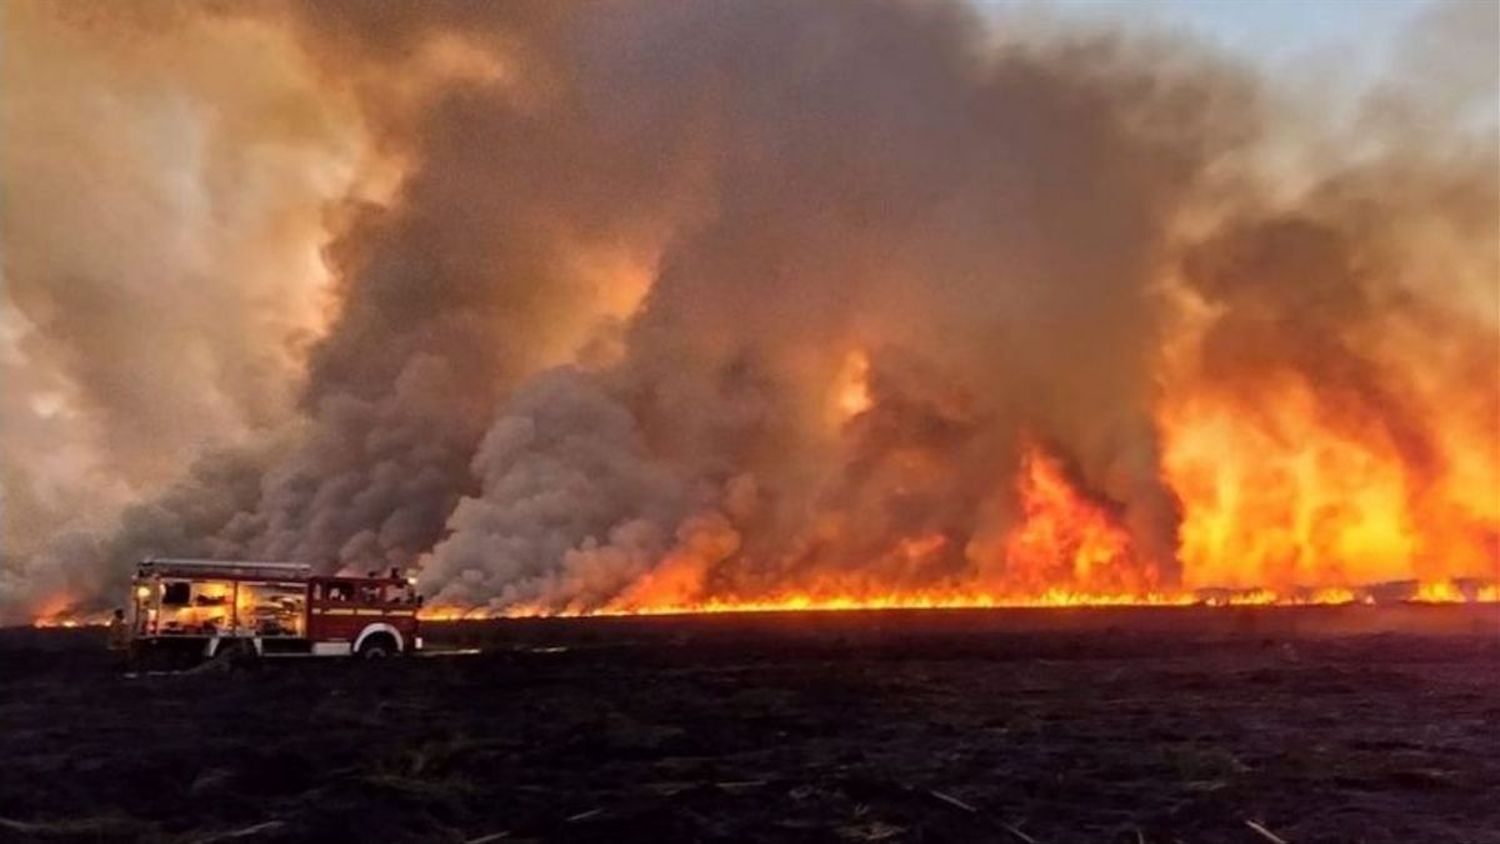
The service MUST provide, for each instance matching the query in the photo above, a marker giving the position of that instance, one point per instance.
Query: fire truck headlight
(419, 643)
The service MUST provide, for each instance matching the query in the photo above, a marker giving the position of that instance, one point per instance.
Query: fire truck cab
(186, 609)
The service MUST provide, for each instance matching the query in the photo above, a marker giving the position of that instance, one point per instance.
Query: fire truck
(188, 610)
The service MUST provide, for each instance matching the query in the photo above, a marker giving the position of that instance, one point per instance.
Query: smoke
(616, 305)
(162, 278)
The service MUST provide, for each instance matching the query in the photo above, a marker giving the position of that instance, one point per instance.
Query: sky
(1270, 32)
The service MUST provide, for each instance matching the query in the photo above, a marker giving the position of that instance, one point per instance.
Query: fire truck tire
(377, 646)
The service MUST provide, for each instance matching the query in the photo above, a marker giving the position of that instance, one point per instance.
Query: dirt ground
(1318, 725)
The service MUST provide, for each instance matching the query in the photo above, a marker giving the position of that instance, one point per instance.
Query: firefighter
(119, 633)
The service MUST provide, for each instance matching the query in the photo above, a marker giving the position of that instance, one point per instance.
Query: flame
(852, 387)
(62, 611)
(1438, 593)
(1262, 597)
(1065, 538)
(1434, 592)
(70, 621)
(1067, 550)
(1450, 592)
(1280, 496)
(814, 602)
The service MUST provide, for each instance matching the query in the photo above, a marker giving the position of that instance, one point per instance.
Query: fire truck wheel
(378, 646)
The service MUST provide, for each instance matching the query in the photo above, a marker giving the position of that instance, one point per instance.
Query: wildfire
(1293, 504)
(69, 621)
(1449, 592)
(808, 602)
(1438, 592)
(1067, 550)
(62, 612)
(1066, 538)
(1278, 509)
(1332, 596)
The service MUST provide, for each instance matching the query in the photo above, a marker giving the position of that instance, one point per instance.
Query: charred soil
(1317, 724)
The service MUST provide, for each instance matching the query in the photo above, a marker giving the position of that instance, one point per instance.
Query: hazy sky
(1273, 32)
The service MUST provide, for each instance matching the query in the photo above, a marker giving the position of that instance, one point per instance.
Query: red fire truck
(202, 609)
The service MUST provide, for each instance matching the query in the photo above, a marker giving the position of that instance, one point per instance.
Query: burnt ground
(1322, 725)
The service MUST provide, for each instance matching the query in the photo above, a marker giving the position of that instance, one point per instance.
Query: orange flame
(69, 621)
(1064, 538)
(1435, 592)
(1067, 551)
(852, 387)
(1278, 497)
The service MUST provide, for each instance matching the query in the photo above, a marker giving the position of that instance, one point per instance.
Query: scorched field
(1305, 724)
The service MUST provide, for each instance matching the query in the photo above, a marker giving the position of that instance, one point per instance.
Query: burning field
(1316, 724)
